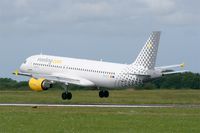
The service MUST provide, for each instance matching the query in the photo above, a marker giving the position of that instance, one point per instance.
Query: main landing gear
(66, 95)
(103, 93)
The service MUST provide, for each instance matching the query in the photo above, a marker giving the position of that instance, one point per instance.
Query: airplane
(46, 70)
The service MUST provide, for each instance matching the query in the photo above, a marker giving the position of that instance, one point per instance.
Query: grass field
(101, 120)
(116, 97)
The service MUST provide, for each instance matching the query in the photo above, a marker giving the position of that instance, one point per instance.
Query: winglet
(16, 72)
(182, 65)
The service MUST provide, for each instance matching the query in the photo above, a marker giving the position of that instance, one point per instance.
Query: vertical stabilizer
(148, 54)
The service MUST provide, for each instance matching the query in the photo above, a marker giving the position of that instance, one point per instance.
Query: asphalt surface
(102, 105)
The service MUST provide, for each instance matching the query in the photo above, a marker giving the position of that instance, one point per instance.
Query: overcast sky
(112, 30)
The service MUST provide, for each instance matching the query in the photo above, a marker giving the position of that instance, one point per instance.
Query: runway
(100, 105)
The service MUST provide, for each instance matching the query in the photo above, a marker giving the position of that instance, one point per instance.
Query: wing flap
(69, 79)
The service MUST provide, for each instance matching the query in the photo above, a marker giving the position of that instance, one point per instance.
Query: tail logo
(149, 46)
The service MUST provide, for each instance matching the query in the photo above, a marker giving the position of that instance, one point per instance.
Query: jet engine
(39, 84)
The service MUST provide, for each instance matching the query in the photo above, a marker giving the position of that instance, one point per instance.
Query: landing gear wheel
(64, 95)
(106, 94)
(103, 93)
(67, 95)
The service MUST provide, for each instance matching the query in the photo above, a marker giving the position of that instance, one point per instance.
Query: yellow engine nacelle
(39, 84)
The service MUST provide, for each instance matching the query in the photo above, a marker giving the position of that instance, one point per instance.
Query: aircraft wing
(61, 78)
(17, 72)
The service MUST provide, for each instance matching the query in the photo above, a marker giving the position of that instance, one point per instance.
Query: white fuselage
(99, 73)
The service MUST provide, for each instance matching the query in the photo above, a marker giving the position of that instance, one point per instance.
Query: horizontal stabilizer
(175, 72)
(169, 68)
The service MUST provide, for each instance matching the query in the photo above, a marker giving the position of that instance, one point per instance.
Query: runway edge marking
(88, 105)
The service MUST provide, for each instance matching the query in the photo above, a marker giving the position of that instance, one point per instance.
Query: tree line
(187, 80)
